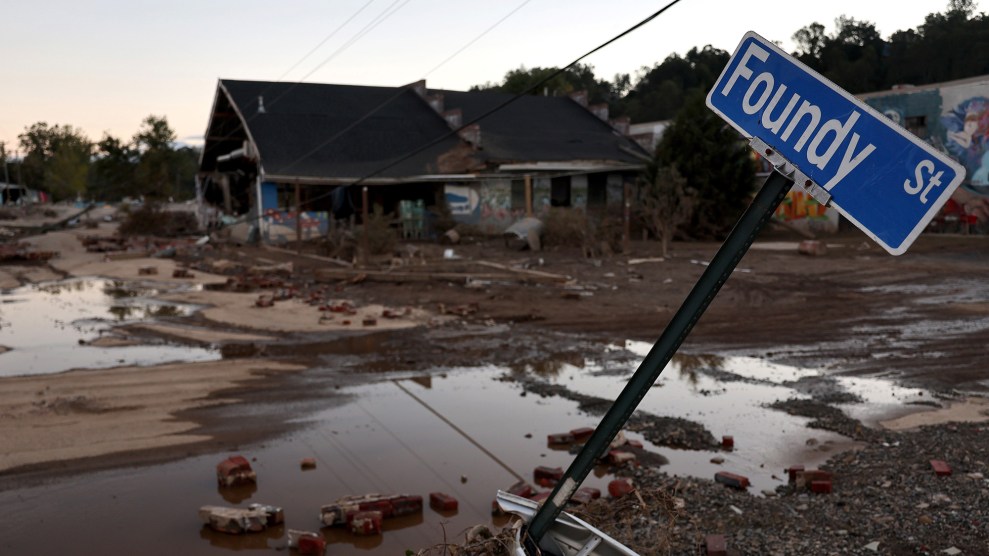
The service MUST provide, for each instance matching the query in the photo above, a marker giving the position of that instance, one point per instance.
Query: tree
(155, 175)
(660, 91)
(667, 202)
(112, 175)
(56, 159)
(715, 161)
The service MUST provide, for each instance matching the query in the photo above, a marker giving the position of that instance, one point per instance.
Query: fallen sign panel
(881, 177)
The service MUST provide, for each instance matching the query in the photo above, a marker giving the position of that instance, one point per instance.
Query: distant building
(953, 117)
(268, 142)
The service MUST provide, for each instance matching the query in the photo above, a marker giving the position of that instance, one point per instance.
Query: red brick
(233, 470)
(522, 489)
(619, 488)
(820, 487)
(812, 475)
(385, 507)
(618, 457)
(593, 492)
(728, 442)
(442, 502)
(581, 497)
(715, 545)
(731, 480)
(582, 434)
(543, 472)
(540, 496)
(940, 467)
(365, 523)
(560, 438)
(546, 482)
(793, 470)
(312, 546)
(406, 505)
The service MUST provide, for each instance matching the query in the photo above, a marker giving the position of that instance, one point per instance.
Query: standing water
(50, 327)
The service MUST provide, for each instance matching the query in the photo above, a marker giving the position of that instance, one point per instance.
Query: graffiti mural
(967, 139)
(279, 226)
(464, 202)
(803, 211)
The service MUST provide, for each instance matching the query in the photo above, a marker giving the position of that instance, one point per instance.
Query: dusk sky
(104, 65)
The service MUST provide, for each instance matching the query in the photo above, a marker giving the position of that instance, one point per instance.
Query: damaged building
(272, 147)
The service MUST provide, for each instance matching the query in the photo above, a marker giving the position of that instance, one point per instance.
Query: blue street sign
(882, 178)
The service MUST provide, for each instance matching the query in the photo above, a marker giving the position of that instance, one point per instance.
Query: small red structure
(306, 542)
(618, 457)
(728, 442)
(442, 502)
(582, 434)
(559, 438)
(551, 473)
(940, 467)
(522, 489)
(820, 487)
(585, 495)
(344, 509)
(732, 480)
(715, 545)
(235, 470)
(620, 487)
(793, 470)
(365, 523)
(540, 496)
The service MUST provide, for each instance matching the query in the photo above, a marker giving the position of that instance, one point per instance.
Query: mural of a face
(967, 136)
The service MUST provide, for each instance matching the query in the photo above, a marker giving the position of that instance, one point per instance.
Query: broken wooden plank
(536, 273)
(332, 274)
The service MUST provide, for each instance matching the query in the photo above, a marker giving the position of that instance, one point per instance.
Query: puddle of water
(383, 440)
(465, 433)
(45, 326)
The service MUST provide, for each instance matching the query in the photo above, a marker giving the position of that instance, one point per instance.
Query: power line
(327, 38)
(532, 88)
(384, 15)
(509, 101)
(477, 38)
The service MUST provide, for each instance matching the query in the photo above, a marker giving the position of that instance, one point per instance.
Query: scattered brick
(543, 472)
(732, 480)
(940, 467)
(560, 438)
(582, 434)
(620, 487)
(715, 545)
(442, 502)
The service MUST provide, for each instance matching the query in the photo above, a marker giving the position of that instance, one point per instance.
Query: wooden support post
(528, 195)
(365, 240)
(627, 234)
(298, 220)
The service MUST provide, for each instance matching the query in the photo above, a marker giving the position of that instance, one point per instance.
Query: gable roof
(347, 132)
(541, 129)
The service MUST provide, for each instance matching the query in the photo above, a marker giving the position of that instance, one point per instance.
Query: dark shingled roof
(320, 131)
(536, 128)
(294, 135)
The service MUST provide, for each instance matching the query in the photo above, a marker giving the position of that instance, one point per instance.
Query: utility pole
(3, 152)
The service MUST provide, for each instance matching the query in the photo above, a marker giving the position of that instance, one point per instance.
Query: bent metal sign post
(882, 178)
(877, 175)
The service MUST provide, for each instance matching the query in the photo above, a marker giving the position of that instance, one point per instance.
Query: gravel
(885, 493)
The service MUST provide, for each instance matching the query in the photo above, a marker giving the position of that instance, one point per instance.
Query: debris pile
(23, 252)
(236, 521)
(235, 470)
(347, 509)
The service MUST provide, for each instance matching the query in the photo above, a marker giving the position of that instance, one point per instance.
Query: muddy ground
(920, 318)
